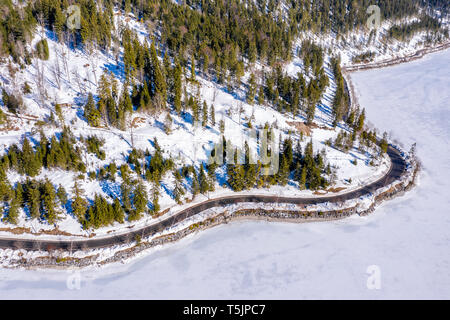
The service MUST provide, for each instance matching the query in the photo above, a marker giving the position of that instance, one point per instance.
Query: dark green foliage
(2, 117)
(32, 198)
(341, 98)
(16, 26)
(100, 214)
(48, 202)
(179, 190)
(62, 195)
(94, 145)
(12, 102)
(79, 203)
(405, 31)
(140, 198)
(384, 143)
(91, 113)
(42, 50)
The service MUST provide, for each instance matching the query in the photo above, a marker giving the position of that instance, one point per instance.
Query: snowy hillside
(55, 93)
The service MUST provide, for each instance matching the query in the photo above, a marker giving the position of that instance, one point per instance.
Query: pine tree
(178, 191)
(222, 126)
(62, 195)
(302, 179)
(32, 197)
(384, 143)
(195, 188)
(361, 119)
(159, 81)
(13, 212)
(48, 198)
(251, 93)
(91, 113)
(192, 68)
(140, 198)
(212, 115)
(177, 87)
(204, 114)
(28, 162)
(119, 214)
(155, 198)
(203, 181)
(79, 203)
(261, 96)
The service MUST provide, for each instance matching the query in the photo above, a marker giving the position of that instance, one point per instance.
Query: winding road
(397, 168)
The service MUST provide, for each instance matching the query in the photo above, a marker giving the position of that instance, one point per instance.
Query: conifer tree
(155, 198)
(361, 119)
(195, 188)
(261, 96)
(212, 115)
(204, 114)
(118, 212)
(62, 195)
(203, 180)
(159, 82)
(91, 113)
(48, 198)
(192, 68)
(140, 198)
(13, 212)
(251, 93)
(177, 87)
(178, 191)
(79, 203)
(32, 198)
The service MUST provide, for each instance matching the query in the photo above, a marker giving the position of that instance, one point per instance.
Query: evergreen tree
(361, 119)
(212, 115)
(178, 191)
(119, 214)
(48, 202)
(28, 163)
(159, 83)
(203, 181)
(204, 114)
(79, 203)
(251, 93)
(13, 212)
(155, 198)
(177, 87)
(140, 198)
(91, 113)
(192, 68)
(62, 195)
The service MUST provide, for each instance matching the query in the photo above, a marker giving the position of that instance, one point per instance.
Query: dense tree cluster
(405, 31)
(341, 98)
(39, 198)
(56, 153)
(305, 167)
(217, 39)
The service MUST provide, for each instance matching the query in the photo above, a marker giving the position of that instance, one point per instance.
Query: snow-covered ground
(407, 239)
(188, 143)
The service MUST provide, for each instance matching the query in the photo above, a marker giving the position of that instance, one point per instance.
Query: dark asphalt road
(397, 168)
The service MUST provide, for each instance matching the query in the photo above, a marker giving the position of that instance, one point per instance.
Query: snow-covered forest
(119, 117)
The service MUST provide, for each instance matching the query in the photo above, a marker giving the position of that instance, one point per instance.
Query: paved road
(396, 170)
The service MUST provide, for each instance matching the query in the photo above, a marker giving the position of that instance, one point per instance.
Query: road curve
(397, 168)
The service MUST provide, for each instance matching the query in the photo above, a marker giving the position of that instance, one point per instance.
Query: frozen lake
(406, 239)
